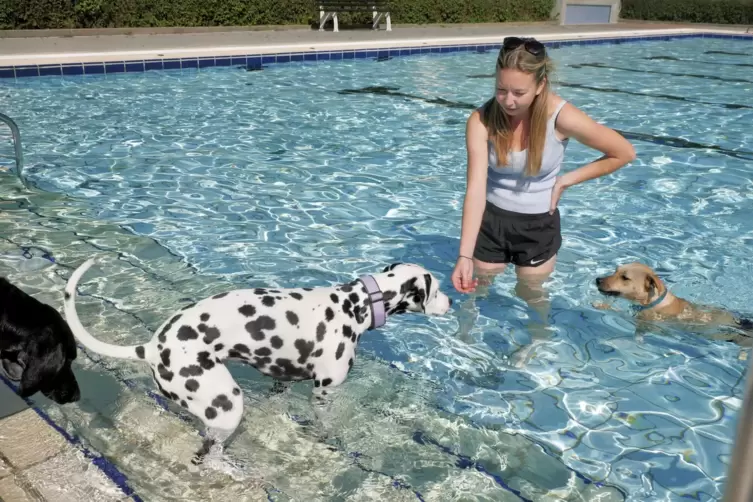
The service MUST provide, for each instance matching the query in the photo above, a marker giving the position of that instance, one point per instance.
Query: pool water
(190, 182)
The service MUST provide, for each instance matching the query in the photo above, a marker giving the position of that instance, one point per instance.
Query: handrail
(16, 145)
(739, 485)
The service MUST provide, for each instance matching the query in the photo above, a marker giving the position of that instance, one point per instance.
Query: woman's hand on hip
(557, 191)
(462, 276)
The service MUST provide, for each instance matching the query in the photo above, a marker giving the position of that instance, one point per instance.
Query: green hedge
(694, 11)
(31, 14)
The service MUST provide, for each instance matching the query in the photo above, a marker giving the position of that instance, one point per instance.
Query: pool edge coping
(256, 55)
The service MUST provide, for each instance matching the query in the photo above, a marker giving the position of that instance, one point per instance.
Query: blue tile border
(258, 61)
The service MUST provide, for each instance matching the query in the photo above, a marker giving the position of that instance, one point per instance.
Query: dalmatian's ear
(428, 280)
(390, 267)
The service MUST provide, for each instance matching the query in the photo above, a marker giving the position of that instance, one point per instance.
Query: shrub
(694, 11)
(30, 14)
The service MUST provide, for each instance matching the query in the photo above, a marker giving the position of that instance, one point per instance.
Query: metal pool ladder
(739, 486)
(16, 145)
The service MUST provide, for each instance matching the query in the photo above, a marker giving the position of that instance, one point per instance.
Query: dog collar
(378, 311)
(653, 303)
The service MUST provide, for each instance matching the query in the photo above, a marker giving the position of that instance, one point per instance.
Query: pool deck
(19, 48)
(37, 462)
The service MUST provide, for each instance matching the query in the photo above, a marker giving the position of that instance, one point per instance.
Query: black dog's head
(37, 347)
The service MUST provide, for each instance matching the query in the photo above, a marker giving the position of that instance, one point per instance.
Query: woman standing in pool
(515, 143)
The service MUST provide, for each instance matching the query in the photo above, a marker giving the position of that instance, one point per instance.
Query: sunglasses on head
(531, 45)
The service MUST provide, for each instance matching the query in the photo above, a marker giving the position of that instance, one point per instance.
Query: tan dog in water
(639, 284)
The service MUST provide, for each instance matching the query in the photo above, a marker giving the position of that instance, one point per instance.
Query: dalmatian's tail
(83, 336)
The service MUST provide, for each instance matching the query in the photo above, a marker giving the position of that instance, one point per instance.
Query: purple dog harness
(378, 312)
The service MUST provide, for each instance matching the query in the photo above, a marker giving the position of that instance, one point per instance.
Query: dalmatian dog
(289, 334)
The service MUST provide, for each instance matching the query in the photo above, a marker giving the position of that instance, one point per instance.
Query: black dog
(36, 346)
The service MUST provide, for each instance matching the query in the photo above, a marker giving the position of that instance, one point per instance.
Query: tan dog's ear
(652, 285)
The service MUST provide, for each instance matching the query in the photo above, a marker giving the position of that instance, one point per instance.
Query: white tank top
(507, 187)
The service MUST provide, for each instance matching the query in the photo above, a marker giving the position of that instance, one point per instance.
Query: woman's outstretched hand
(462, 276)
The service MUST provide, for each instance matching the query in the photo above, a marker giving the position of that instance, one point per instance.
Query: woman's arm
(618, 151)
(573, 123)
(475, 193)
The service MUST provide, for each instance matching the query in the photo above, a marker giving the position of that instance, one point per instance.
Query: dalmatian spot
(192, 385)
(159, 346)
(317, 383)
(347, 305)
(400, 308)
(326, 382)
(256, 327)
(347, 288)
(261, 362)
(263, 351)
(140, 351)
(247, 310)
(289, 371)
(340, 350)
(218, 296)
(360, 314)
(304, 349)
(222, 402)
(318, 353)
(321, 330)
(184, 404)
(297, 296)
(276, 342)
(174, 396)
(218, 347)
(347, 331)
(165, 356)
(292, 317)
(210, 413)
(164, 373)
(161, 337)
(260, 291)
(353, 338)
(163, 391)
(388, 296)
(310, 367)
(210, 334)
(391, 274)
(335, 299)
(308, 289)
(204, 360)
(190, 305)
(353, 297)
(242, 348)
(268, 301)
(204, 317)
(191, 370)
(350, 364)
(186, 333)
(329, 314)
(236, 391)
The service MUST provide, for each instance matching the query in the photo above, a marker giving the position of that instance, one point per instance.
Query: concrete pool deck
(81, 46)
(37, 462)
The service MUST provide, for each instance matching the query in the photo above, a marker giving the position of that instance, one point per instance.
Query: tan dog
(653, 301)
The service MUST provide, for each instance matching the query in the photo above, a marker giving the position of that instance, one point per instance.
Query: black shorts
(526, 240)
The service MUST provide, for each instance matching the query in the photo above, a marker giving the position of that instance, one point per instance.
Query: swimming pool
(190, 181)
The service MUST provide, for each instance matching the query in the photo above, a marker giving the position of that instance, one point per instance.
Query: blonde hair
(498, 123)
